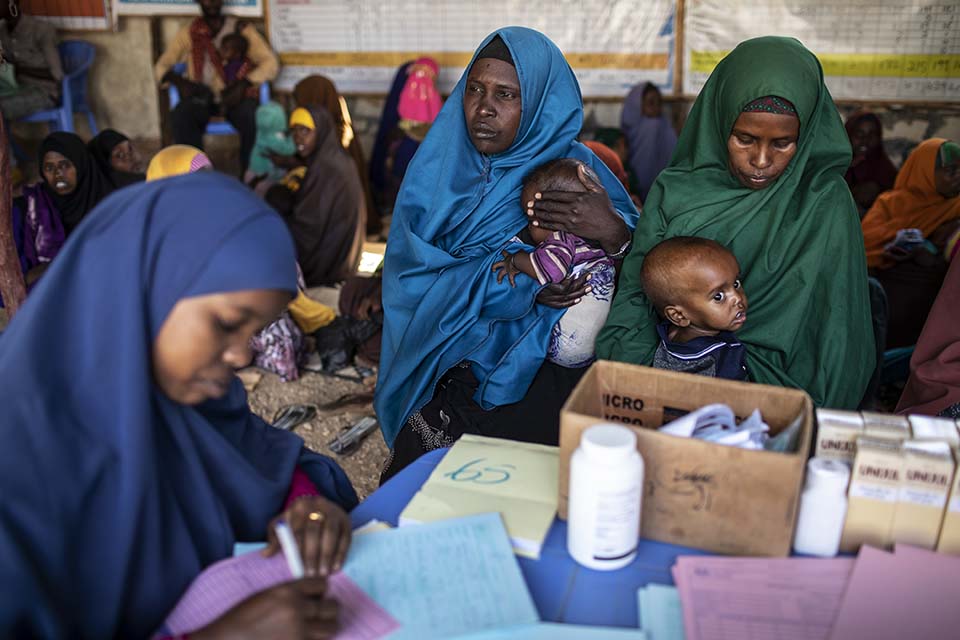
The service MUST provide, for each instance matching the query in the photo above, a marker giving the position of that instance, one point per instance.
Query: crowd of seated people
(521, 249)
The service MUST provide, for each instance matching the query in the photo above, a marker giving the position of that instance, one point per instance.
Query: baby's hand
(506, 268)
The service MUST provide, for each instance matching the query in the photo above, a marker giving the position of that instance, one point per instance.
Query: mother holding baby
(462, 353)
(759, 168)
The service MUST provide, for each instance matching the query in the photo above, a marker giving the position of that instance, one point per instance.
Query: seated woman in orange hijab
(924, 198)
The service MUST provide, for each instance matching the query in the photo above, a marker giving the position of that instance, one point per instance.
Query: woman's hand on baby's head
(588, 214)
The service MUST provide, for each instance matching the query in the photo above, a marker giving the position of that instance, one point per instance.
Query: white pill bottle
(606, 487)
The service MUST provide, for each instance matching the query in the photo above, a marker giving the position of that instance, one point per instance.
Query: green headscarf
(798, 241)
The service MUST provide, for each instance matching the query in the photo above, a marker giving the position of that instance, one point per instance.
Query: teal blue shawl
(456, 211)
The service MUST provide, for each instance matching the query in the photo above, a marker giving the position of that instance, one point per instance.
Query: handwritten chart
(611, 44)
(249, 8)
(905, 50)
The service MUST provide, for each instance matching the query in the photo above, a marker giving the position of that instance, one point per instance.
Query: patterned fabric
(771, 104)
(176, 160)
(720, 356)
(201, 40)
(279, 348)
(554, 257)
(573, 340)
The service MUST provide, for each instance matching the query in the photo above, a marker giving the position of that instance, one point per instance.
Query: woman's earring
(14, 10)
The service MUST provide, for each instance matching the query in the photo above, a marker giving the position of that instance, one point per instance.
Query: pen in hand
(290, 549)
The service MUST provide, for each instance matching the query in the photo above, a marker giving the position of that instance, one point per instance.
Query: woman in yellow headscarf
(177, 160)
(319, 91)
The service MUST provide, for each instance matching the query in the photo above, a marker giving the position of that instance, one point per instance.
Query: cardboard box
(949, 541)
(837, 433)
(927, 476)
(874, 489)
(696, 493)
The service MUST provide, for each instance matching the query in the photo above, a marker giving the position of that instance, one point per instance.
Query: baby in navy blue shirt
(695, 286)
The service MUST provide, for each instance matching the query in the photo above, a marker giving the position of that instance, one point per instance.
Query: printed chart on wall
(71, 14)
(898, 50)
(249, 8)
(611, 44)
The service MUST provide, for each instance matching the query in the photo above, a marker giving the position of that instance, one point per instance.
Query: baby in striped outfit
(559, 254)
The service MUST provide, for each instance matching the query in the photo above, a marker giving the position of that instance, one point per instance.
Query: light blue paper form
(660, 612)
(554, 631)
(443, 578)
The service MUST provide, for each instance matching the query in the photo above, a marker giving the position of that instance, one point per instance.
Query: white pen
(290, 550)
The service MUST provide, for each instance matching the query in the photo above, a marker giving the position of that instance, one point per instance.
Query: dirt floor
(363, 466)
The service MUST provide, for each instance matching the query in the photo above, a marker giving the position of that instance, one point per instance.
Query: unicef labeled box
(699, 494)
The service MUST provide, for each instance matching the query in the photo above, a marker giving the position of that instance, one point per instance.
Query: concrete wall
(121, 87)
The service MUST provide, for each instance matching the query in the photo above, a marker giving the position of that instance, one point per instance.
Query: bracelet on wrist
(623, 250)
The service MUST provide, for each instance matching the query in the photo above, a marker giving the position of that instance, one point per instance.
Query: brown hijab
(934, 383)
(329, 212)
(319, 91)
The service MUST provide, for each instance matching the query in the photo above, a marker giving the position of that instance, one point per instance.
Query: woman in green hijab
(759, 168)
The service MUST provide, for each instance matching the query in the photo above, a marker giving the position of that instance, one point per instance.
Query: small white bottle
(823, 507)
(606, 487)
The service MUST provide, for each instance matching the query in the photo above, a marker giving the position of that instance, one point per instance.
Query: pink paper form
(760, 598)
(912, 593)
(229, 582)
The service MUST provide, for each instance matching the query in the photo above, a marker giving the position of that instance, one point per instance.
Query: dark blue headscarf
(114, 496)
(389, 118)
(456, 211)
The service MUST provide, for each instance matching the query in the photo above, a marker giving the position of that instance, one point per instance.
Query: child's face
(713, 298)
(229, 51)
(537, 233)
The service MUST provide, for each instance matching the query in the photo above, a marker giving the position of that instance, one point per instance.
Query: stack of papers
(796, 598)
(910, 593)
(518, 480)
(229, 582)
(443, 579)
(438, 580)
(660, 613)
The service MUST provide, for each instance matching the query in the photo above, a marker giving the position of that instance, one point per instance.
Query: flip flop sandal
(289, 417)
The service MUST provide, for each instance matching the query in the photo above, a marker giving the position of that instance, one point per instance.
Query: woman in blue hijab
(461, 353)
(130, 459)
(650, 136)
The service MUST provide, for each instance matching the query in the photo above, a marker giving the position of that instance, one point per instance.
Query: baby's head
(233, 47)
(695, 282)
(562, 174)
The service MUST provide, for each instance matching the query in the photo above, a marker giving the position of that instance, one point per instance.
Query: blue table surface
(563, 590)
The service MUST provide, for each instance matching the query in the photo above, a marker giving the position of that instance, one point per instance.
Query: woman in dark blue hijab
(517, 106)
(130, 459)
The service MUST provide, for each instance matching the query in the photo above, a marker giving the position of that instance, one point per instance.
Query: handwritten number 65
(495, 474)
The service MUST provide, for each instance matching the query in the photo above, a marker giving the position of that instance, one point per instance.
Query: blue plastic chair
(76, 56)
(217, 126)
